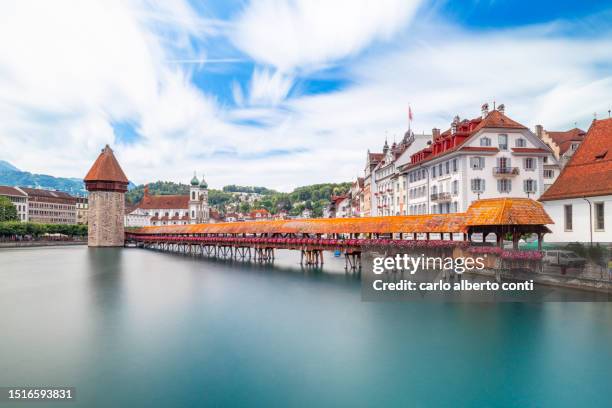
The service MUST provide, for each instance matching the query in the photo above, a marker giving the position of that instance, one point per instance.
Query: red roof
(164, 202)
(11, 191)
(106, 168)
(589, 171)
(564, 139)
(448, 142)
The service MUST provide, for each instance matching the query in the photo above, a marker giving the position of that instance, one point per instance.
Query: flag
(409, 114)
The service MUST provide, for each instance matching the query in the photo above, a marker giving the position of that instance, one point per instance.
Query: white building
(580, 200)
(199, 211)
(19, 198)
(487, 157)
(388, 185)
(137, 217)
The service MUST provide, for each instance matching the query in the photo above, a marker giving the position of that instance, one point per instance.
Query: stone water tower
(107, 185)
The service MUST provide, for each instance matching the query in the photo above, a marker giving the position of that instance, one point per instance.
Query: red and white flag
(409, 113)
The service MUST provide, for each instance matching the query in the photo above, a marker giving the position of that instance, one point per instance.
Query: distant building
(580, 200)
(82, 207)
(19, 199)
(563, 144)
(136, 217)
(174, 209)
(259, 215)
(50, 207)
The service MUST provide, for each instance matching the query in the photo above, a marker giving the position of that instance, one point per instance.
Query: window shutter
(499, 186)
(482, 184)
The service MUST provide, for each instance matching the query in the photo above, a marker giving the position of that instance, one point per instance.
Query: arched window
(192, 214)
(193, 195)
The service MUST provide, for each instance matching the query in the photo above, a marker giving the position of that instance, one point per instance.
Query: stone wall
(105, 219)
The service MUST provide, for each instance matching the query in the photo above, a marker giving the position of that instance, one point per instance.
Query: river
(132, 327)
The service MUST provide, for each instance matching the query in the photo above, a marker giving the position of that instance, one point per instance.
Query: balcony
(442, 197)
(505, 171)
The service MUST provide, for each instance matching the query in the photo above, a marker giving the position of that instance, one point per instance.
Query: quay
(258, 240)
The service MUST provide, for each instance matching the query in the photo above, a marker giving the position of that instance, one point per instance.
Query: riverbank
(30, 244)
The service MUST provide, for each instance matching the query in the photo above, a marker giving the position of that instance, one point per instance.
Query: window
(567, 217)
(477, 163)
(485, 141)
(574, 146)
(502, 142)
(504, 185)
(529, 163)
(520, 142)
(530, 186)
(447, 167)
(433, 174)
(193, 195)
(548, 174)
(599, 216)
(455, 187)
(192, 214)
(545, 159)
(440, 169)
(454, 165)
(478, 185)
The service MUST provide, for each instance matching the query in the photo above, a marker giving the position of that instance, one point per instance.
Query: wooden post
(540, 239)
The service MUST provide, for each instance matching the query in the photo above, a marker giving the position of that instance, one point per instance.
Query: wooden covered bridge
(257, 240)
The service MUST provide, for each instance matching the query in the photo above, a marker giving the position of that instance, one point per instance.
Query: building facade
(50, 207)
(82, 207)
(580, 200)
(18, 198)
(487, 157)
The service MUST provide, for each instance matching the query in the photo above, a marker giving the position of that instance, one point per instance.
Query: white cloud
(304, 33)
(69, 69)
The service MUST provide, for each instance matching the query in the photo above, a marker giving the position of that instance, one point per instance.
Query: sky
(282, 93)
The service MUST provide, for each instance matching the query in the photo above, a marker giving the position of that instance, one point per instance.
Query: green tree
(8, 212)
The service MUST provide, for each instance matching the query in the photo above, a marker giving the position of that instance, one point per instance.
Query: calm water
(130, 327)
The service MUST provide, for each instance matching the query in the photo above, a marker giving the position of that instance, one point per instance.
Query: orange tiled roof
(507, 211)
(106, 168)
(11, 191)
(589, 172)
(503, 211)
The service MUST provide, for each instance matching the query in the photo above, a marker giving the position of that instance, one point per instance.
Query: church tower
(194, 199)
(205, 210)
(107, 185)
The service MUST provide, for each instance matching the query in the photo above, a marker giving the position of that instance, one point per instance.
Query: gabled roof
(164, 202)
(589, 172)
(106, 168)
(507, 211)
(564, 139)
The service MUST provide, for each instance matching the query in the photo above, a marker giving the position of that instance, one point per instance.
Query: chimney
(435, 133)
(501, 108)
(484, 109)
(539, 130)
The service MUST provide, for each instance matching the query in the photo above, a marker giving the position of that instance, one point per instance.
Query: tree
(8, 212)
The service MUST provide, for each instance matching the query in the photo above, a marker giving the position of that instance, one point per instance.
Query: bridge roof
(490, 212)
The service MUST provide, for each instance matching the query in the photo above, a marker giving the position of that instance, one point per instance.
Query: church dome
(195, 181)
(203, 183)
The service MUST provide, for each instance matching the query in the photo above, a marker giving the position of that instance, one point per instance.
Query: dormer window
(520, 142)
(601, 155)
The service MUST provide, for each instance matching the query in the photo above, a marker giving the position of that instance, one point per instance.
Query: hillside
(12, 176)
(314, 197)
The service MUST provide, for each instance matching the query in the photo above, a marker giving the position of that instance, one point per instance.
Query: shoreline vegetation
(16, 233)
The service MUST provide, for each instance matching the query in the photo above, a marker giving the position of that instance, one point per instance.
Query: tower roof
(106, 168)
(194, 180)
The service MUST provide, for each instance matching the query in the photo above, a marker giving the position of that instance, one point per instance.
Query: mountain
(12, 176)
(4, 165)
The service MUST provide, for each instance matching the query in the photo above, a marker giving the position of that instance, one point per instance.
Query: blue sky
(282, 93)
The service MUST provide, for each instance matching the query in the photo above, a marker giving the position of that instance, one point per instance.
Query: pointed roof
(106, 168)
(589, 172)
(564, 139)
